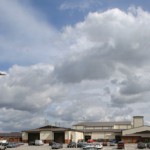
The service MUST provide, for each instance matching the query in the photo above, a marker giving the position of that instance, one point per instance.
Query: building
(52, 133)
(11, 137)
(138, 132)
(127, 131)
(102, 130)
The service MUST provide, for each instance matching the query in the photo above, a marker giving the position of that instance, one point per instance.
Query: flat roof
(102, 124)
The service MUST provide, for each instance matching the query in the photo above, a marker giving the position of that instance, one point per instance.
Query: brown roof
(51, 128)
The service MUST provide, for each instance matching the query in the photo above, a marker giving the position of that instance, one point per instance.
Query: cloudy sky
(73, 60)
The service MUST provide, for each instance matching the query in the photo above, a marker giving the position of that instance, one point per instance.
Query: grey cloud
(113, 37)
(89, 67)
(108, 52)
(29, 88)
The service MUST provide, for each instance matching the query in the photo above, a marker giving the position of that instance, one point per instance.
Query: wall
(46, 136)
(122, 126)
(103, 135)
(67, 136)
(24, 136)
(77, 136)
(138, 121)
(73, 136)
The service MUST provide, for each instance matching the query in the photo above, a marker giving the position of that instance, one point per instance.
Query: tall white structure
(138, 121)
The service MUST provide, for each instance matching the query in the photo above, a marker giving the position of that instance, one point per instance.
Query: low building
(138, 132)
(103, 130)
(127, 131)
(52, 133)
(11, 137)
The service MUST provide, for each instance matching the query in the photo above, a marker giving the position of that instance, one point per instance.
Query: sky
(69, 61)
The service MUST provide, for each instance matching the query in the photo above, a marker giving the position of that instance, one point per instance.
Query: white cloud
(105, 67)
(79, 5)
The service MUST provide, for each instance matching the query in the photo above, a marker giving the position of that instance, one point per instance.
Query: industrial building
(52, 133)
(127, 131)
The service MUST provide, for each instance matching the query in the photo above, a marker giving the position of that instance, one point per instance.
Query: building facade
(127, 131)
(102, 130)
(11, 137)
(52, 133)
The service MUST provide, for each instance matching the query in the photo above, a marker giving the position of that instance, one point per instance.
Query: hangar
(52, 133)
(127, 131)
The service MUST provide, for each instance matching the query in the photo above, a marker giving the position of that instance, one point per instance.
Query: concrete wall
(103, 135)
(78, 127)
(138, 121)
(46, 135)
(24, 136)
(122, 126)
(73, 136)
(77, 136)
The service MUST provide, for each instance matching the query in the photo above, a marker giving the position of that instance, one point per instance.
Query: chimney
(138, 121)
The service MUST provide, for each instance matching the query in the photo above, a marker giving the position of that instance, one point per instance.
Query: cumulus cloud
(104, 73)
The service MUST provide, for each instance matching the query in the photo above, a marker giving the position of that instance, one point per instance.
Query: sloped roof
(136, 130)
(51, 128)
(102, 124)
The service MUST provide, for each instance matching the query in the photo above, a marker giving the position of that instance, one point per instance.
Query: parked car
(31, 143)
(11, 145)
(81, 144)
(141, 145)
(120, 145)
(57, 145)
(112, 143)
(72, 145)
(88, 145)
(90, 148)
(90, 141)
(98, 145)
(148, 145)
(51, 143)
(2, 147)
(39, 142)
(104, 143)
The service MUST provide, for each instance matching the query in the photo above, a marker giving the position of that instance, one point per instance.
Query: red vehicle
(90, 141)
(120, 145)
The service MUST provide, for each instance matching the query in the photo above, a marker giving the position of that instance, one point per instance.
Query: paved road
(47, 147)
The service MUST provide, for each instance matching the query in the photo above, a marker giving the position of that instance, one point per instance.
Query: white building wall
(24, 136)
(73, 135)
(78, 127)
(138, 121)
(77, 136)
(122, 126)
(103, 135)
(46, 135)
(67, 135)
